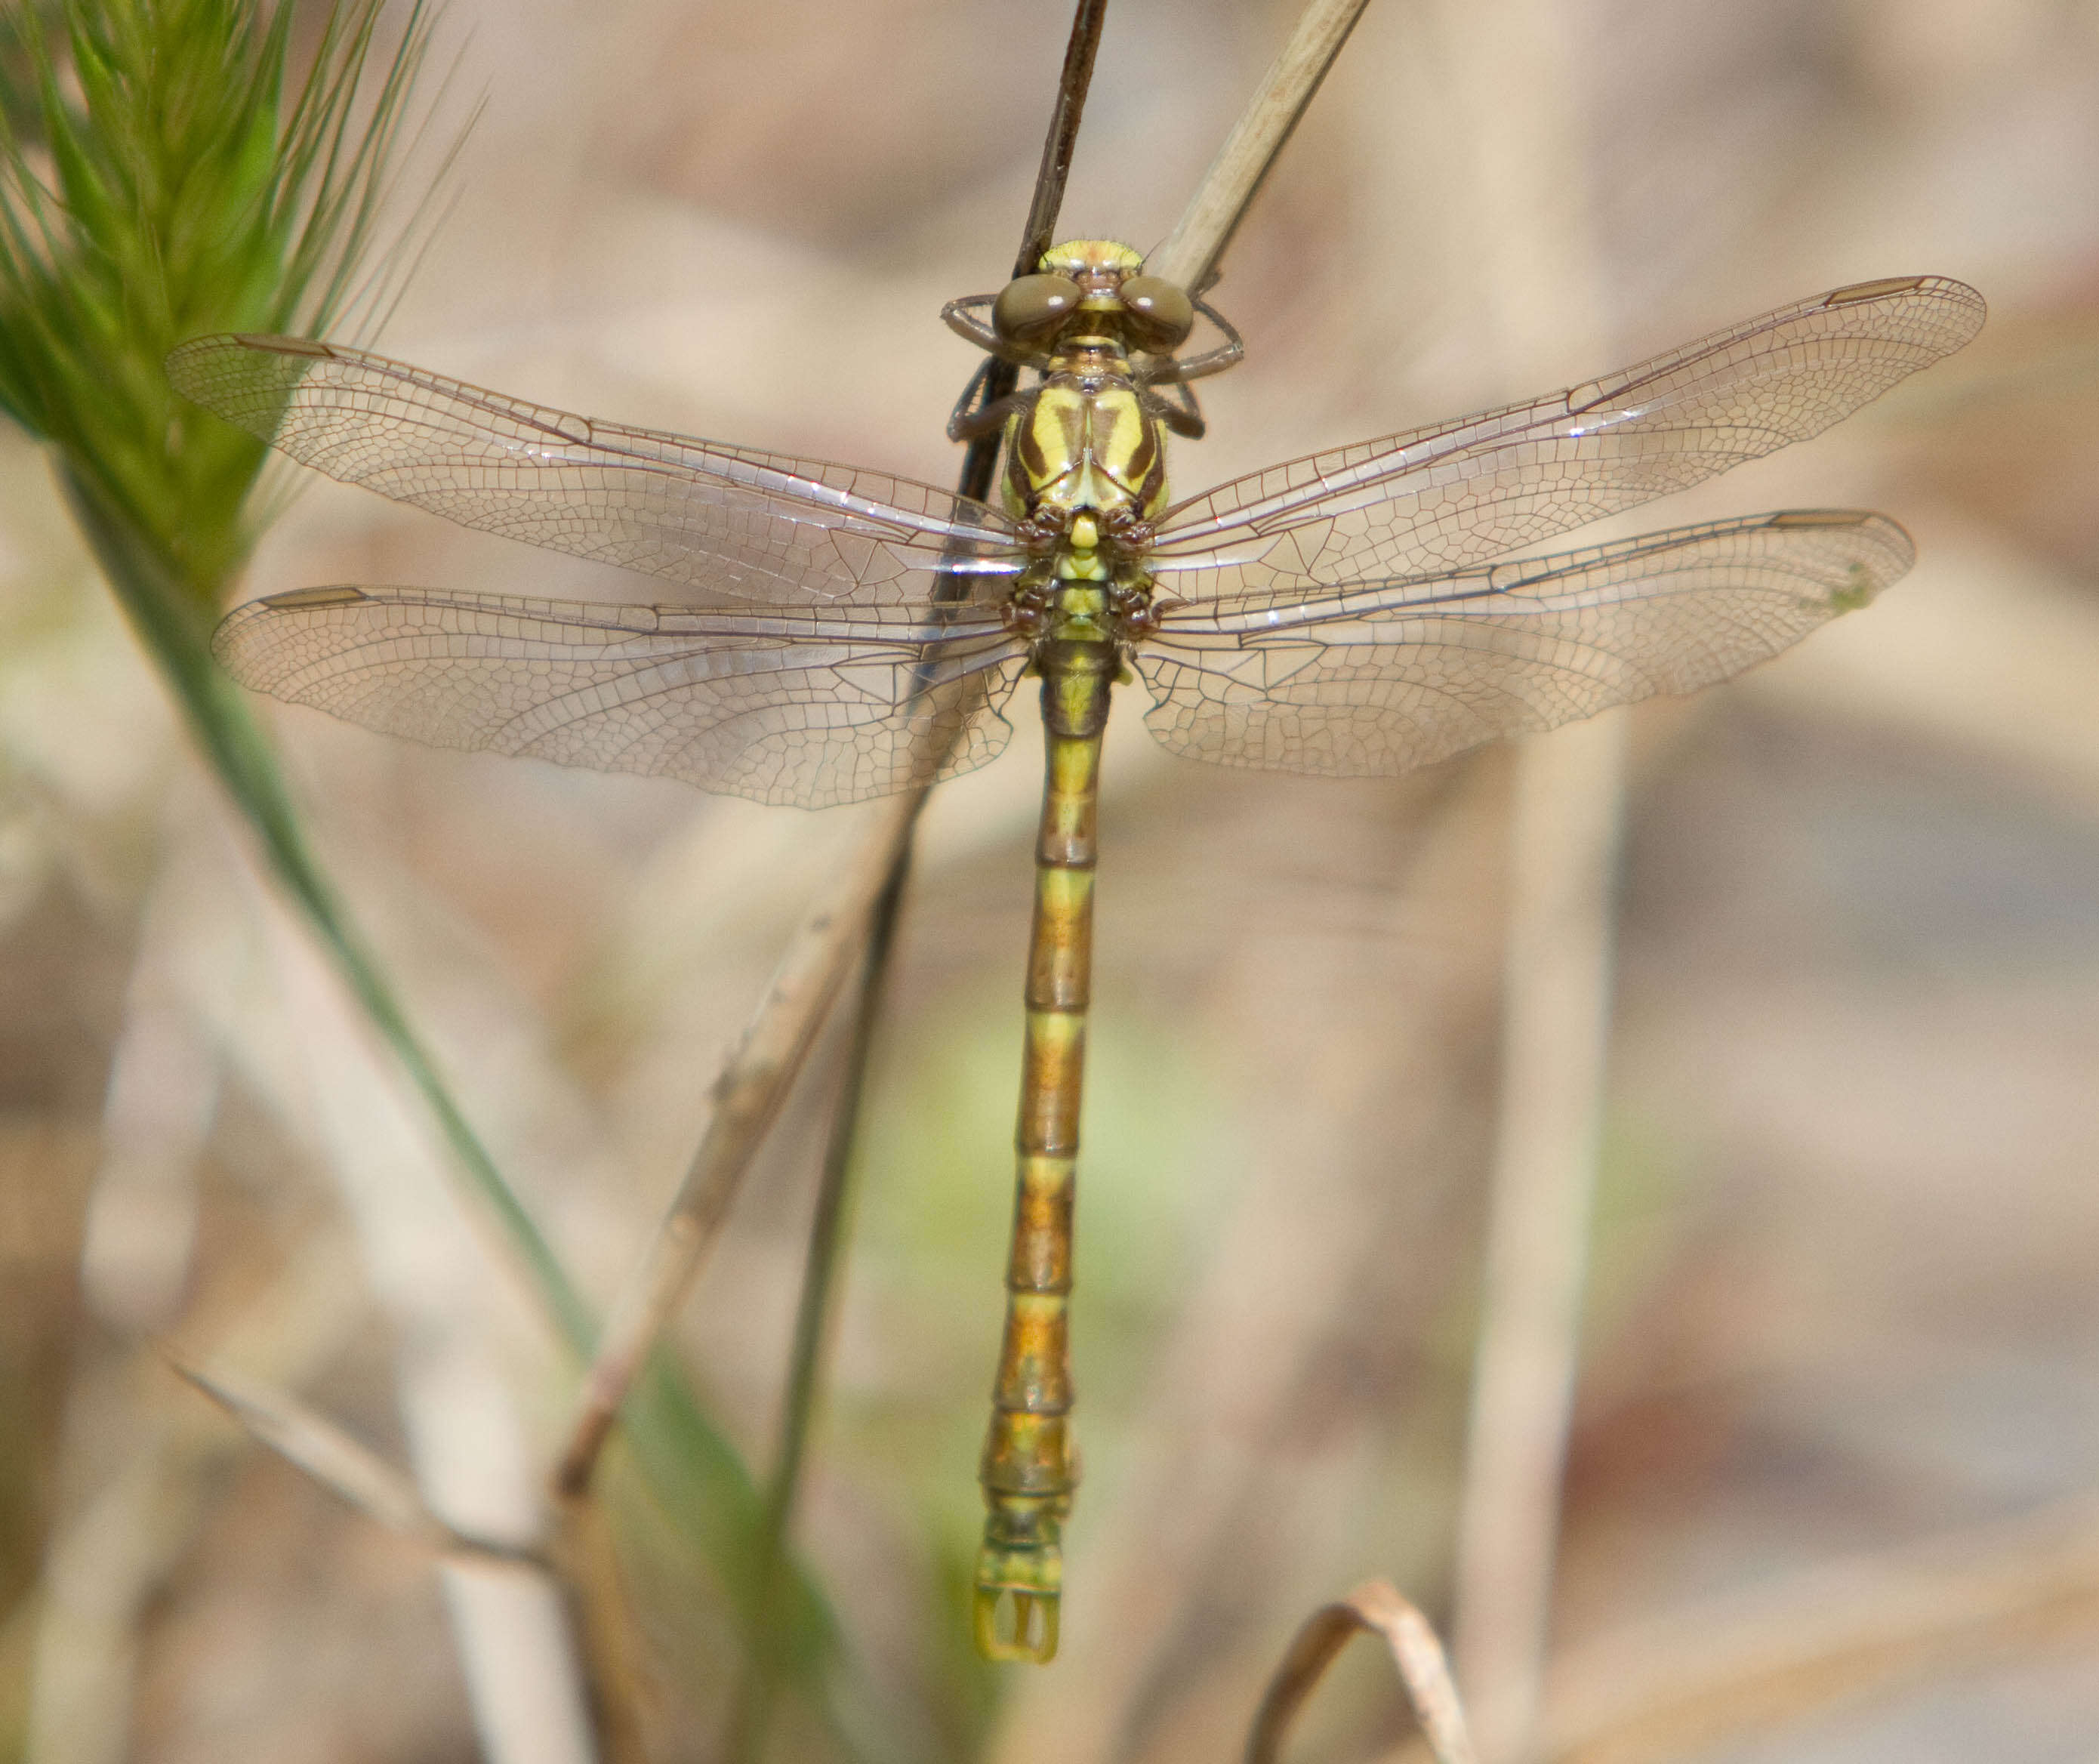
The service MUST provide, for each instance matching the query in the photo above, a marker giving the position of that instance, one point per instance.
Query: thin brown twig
(981, 461)
(309, 1441)
(1073, 81)
(1376, 1608)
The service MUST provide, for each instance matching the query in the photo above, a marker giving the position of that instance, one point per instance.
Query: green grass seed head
(162, 175)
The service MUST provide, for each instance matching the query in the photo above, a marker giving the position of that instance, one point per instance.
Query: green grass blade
(175, 191)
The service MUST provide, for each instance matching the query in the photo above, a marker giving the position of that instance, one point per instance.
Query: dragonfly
(838, 633)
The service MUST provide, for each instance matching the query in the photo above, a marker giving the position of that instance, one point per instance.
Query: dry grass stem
(1564, 835)
(1677, 1685)
(440, 1289)
(747, 1097)
(1532, 246)
(1061, 140)
(623, 1697)
(1374, 1608)
(1188, 254)
(108, 1561)
(308, 1441)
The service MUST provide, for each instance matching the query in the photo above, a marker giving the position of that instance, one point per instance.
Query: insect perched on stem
(853, 634)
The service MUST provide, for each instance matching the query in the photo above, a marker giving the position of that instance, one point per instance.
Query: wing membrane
(810, 708)
(1393, 675)
(729, 519)
(1452, 494)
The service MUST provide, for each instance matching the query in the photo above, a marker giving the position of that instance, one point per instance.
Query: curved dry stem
(1375, 1608)
(1693, 1679)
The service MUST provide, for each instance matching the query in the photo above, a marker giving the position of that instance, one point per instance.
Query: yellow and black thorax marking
(1085, 445)
(1082, 444)
(1085, 448)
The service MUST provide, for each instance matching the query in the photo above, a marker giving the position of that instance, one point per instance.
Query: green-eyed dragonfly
(845, 634)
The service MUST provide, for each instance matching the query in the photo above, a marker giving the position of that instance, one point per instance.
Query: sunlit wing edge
(1454, 493)
(1377, 680)
(668, 504)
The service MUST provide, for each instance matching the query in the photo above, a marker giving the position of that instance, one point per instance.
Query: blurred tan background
(1837, 1430)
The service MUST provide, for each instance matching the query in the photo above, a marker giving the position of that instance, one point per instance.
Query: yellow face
(1098, 266)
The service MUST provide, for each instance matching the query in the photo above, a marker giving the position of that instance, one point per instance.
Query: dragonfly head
(1093, 285)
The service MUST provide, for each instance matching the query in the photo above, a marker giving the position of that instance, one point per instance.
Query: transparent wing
(808, 708)
(725, 519)
(1391, 676)
(1456, 494)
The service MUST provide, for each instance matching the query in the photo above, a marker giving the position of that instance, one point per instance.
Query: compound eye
(1163, 312)
(1033, 306)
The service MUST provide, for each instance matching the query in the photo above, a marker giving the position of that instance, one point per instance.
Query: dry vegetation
(1836, 1446)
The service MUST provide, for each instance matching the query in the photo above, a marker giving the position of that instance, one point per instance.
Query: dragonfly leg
(972, 417)
(1179, 412)
(1228, 354)
(1030, 1465)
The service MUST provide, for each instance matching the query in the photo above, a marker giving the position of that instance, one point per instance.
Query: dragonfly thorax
(1086, 461)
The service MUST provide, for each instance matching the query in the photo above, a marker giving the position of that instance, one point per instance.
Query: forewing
(1392, 675)
(1456, 494)
(725, 519)
(810, 709)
